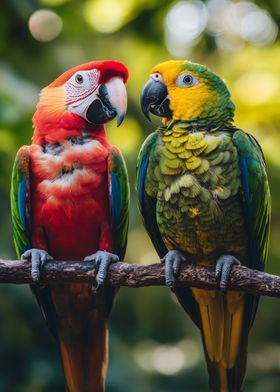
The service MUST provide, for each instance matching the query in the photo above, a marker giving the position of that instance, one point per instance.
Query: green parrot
(204, 197)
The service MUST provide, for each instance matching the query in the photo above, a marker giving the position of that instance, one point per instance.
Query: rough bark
(135, 275)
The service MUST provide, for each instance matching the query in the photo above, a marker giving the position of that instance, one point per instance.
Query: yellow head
(185, 91)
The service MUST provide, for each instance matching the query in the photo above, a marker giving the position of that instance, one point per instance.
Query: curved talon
(38, 258)
(223, 269)
(102, 261)
(172, 260)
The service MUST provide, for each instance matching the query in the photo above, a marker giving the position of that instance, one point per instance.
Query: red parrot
(70, 201)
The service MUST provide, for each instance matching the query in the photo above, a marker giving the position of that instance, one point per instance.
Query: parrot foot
(102, 261)
(223, 269)
(38, 258)
(172, 260)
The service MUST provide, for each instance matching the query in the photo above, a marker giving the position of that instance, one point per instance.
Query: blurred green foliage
(153, 345)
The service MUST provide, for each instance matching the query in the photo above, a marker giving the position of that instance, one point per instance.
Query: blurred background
(154, 347)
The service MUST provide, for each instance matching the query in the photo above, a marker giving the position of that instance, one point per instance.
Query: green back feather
(256, 196)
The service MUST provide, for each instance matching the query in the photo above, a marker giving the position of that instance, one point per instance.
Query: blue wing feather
(146, 203)
(256, 195)
(115, 208)
(19, 200)
(22, 192)
(141, 178)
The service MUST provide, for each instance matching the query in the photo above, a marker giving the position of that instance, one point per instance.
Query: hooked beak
(111, 101)
(155, 99)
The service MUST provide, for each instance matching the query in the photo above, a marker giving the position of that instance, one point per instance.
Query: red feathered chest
(70, 197)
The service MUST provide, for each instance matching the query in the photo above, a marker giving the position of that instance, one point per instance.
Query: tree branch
(135, 275)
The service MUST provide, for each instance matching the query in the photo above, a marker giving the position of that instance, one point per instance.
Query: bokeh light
(258, 28)
(166, 359)
(250, 22)
(45, 25)
(228, 42)
(107, 16)
(184, 23)
(231, 23)
(216, 12)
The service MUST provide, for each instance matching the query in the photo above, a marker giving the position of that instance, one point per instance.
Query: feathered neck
(192, 126)
(54, 124)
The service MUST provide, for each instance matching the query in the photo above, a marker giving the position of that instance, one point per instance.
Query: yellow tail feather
(234, 315)
(211, 305)
(222, 320)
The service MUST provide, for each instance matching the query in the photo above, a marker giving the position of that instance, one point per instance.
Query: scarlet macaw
(70, 201)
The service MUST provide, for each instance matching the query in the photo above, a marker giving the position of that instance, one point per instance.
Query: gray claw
(223, 269)
(38, 258)
(172, 260)
(102, 261)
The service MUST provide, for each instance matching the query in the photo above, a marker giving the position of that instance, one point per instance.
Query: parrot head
(83, 97)
(186, 91)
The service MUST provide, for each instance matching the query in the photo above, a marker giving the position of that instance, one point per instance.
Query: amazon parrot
(204, 197)
(70, 201)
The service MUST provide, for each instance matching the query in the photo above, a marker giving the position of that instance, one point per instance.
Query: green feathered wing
(119, 204)
(119, 200)
(20, 201)
(21, 210)
(255, 196)
(147, 204)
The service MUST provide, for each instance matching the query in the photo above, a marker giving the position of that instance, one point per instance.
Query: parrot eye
(186, 80)
(157, 77)
(79, 78)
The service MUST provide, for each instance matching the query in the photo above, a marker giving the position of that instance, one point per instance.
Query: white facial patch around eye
(156, 77)
(80, 86)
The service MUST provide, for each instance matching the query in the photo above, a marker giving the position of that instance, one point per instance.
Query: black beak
(154, 99)
(101, 110)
